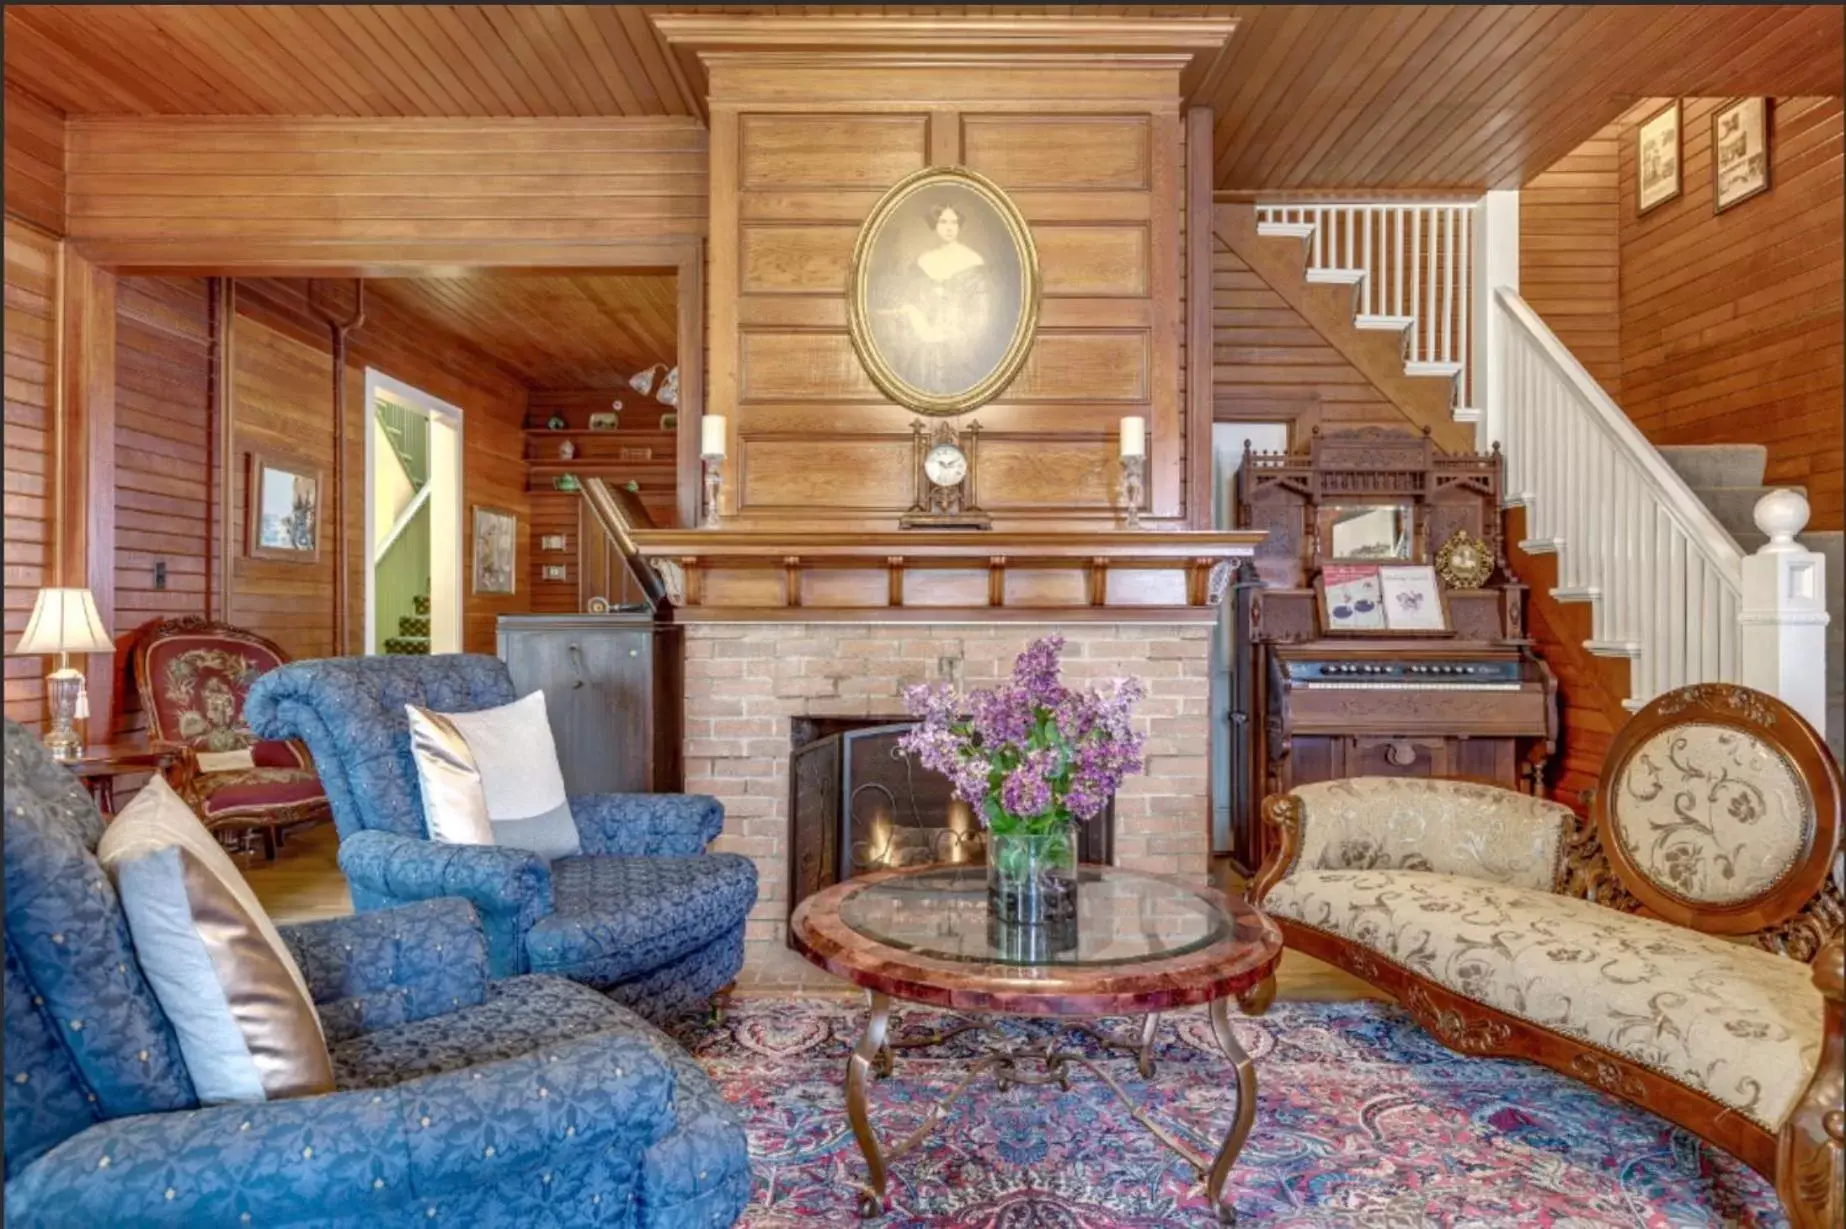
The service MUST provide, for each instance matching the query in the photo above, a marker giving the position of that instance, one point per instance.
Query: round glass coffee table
(1141, 946)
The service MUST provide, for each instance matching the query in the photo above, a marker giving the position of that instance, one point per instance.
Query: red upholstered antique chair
(193, 675)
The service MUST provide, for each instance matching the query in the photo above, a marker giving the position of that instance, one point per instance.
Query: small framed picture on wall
(1739, 152)
(496, 538)
(1657, 158)
(282, 509)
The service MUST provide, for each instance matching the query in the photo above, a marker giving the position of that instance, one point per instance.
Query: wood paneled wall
(217, 191)
(282, 356)
(1570, 254)
(164, 466)
(31, 352)
(1731, 322)
(1707, 328)
(1091, 157)
(34, 161)
(1269, 364)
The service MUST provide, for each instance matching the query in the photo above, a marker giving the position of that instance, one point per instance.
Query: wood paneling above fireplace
(1087, 141)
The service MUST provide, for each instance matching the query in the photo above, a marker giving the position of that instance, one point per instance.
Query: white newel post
(1784, 611)
(1496, 264)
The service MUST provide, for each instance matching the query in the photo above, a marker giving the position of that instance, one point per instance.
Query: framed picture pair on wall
(1739, 154)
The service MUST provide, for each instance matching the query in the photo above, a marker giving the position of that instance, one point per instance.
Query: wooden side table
(99, 764)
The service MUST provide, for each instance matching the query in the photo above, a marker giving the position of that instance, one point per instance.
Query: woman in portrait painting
(944, 306)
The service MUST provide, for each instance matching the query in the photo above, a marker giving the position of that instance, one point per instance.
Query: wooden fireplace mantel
(936, 574)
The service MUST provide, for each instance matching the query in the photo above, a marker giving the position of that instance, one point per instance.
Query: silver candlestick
(714, 488)
(1133, 488)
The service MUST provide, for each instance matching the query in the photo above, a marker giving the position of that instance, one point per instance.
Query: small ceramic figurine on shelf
(566, 450)
(565, 482)
(555, 423)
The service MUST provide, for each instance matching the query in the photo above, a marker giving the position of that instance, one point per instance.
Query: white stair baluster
(1430, 290)
(1397, 259)
(1470, 396)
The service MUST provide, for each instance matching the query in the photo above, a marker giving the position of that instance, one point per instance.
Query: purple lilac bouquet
(1032, 756)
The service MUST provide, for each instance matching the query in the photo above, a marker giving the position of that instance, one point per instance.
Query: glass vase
(1032, 878)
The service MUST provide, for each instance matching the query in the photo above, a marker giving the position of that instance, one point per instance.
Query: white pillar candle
(711, 436)
(1134, 437)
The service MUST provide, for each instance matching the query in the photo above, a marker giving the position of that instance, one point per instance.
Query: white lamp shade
(64, 621)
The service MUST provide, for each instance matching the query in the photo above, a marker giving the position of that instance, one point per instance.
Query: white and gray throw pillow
(491, 777)
(238, 1004)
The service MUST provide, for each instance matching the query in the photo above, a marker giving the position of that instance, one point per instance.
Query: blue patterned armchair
(643, 914)
(460, 1101)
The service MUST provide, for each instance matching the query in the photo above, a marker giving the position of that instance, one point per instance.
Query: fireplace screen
(858, 803)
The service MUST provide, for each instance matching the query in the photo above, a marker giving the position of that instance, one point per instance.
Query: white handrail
(1664, 578)
(1694, 517)
(402, 522)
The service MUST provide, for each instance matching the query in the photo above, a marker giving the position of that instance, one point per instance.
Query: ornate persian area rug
(1363, 1119)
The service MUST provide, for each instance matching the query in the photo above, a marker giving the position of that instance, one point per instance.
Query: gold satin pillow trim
(454, 802)
(278, 1024)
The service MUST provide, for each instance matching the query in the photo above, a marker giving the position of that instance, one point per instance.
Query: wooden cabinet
(612, 690)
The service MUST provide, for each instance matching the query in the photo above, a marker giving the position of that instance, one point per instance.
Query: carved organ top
(1320, 702)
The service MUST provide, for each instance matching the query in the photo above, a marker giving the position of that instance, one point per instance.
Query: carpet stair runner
(412, 639)
(1728, 479)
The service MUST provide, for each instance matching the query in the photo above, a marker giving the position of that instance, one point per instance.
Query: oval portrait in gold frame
(942, 297)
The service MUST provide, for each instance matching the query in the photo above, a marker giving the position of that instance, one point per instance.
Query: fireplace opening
(858, 803)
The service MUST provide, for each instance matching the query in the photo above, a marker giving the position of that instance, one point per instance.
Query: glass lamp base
(64, 690)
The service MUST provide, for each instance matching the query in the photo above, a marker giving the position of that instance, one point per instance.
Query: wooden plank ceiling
(1310, 96)
(551, 331)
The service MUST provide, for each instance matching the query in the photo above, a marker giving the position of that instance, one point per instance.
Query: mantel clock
(943, 473)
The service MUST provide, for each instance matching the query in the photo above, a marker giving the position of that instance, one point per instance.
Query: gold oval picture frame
(942, 294)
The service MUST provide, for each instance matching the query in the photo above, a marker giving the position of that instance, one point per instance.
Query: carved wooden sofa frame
(1800, 917)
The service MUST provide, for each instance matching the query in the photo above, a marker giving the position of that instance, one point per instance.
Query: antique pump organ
(1384, 634)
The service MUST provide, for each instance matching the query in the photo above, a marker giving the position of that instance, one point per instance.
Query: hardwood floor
(305, 883)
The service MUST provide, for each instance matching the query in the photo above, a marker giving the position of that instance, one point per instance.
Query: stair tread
(1717, 465)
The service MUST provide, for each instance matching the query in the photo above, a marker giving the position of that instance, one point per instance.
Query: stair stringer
(1593, 688)
(1328, 302)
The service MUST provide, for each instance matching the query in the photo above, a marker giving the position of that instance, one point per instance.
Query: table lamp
(64, 621)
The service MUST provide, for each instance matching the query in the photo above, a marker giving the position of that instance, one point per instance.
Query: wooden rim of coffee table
(1225, 968)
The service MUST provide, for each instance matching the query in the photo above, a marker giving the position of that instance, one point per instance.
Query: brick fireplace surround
(745, 681)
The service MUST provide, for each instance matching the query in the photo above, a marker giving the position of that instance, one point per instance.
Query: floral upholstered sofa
(1682, 951)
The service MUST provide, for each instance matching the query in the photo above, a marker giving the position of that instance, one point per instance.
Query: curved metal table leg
(1150, 1032)
(1254, 1001)
(865, 1058)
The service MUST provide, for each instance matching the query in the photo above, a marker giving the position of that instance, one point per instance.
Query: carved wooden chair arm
(1285, 816)
(1811, 1153)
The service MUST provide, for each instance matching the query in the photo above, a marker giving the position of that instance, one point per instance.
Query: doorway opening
(413, 520)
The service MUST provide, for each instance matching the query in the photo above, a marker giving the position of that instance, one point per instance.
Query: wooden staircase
(412, 639)
(1375, 349)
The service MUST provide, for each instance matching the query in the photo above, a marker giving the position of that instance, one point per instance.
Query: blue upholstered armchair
(644, 914)
(459, 1101)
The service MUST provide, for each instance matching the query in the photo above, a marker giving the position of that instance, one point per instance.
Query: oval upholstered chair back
(350, 712)
(1719, 808)
(194, 676)
(86, 1040)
